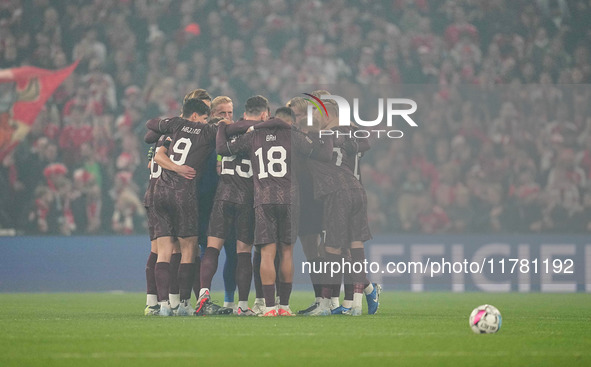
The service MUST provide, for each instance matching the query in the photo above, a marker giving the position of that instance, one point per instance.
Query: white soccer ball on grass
(485, 319)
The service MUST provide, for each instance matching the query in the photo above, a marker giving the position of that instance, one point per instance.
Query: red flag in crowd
(31, 88)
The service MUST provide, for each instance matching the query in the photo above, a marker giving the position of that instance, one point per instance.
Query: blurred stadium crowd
(504, 137)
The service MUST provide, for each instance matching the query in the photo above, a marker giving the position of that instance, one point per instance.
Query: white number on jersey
(339, 161)
(155, 169)
(182, 147)
(339, 153)
(356, 170)
(273, 162)
(240, 167)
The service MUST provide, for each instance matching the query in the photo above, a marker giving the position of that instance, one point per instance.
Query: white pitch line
(103, 355)
(436, 353)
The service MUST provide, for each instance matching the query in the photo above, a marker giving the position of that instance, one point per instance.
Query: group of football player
(259, 181)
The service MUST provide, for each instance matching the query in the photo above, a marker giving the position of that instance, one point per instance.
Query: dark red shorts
(345, 218)
(175, 212)
(311, 213)
(151, 215)
(227, 216)
(275, 223)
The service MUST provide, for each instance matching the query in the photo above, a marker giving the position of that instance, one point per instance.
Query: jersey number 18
(276, 165)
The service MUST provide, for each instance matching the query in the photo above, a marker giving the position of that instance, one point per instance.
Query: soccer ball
(485, 319)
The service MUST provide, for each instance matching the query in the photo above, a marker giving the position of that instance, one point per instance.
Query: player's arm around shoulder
(239, 127)
(225, 147)
(165, 126)
(209, 130)
(221, 141)
(151, 137)
(162, 159)
(274, 123)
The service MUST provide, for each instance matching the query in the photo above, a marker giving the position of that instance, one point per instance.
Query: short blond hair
(297, 103)
(320, 92)
(330, 104)
(219, 100)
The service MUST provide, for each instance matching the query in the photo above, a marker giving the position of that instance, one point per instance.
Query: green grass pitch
(422, 329)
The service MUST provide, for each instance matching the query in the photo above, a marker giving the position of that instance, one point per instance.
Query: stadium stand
(505, 138)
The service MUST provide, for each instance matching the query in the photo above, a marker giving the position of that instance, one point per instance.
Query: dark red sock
(345, 274)
(162, 274)
(284, 293)
(209, 265)
(277, 264)
(336, 290)
(269, 292)
(348, 279)
(150, 277)
(197, 277)
(358, 287)
(331, 279)
(336, 287)
(326, 291)
(317, 290)
(243, 275)
(186, 276)
(175, 261)
(315, 278)
(256, 272)
(358, 255)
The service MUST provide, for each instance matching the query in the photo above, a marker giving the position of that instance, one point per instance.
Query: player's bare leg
(268, 277)
(186, 273)
(361, 285)
(244, 277)
(286, 283)
(151, 290)
(165, 247)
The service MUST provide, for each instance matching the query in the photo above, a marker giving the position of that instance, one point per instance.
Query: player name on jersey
(190, 130)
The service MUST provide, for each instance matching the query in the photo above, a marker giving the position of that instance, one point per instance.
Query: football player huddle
(259, 182)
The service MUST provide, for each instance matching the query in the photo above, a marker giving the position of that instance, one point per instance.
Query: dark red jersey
(333, 176)
(235, 183)
(191, 144)
(155, 171)
(348, 149)
(271, 150)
